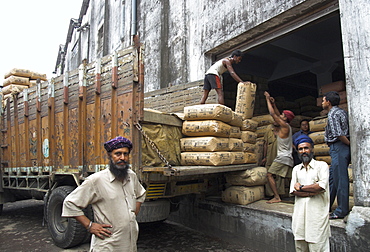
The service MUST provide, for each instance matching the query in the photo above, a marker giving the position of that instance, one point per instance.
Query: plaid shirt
(337, 125)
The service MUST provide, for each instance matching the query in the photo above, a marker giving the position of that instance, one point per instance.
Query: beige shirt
(310, 220)
(113, 203)
(218, 69)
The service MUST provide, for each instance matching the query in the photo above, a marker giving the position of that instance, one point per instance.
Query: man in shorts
(283, 163)
(213, 78)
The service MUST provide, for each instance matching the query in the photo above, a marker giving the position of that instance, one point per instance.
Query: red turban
(289, 114)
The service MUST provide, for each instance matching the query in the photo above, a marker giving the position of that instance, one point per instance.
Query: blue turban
(302, 139)
(116, 143)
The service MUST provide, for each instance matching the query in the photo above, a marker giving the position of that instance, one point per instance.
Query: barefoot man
(283, 162)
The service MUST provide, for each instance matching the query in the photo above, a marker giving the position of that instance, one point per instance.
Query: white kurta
(310, 221)
(113, 203)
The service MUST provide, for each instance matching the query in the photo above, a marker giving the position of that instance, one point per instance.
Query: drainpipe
(133, 17)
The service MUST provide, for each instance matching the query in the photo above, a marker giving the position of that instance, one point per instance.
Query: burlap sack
(235, 132)
(208, 112)
(13, 89)
(236, 144)
(236, 120)
(243, 195)
(249, 137)
(35, 76)
(249, 124)
(250, 158)
(245, 99)
(16, 80)
(207, 144)
(248, 147)
(206, 128)
(318, 137)
(237, 158)
(326, 159)
(18, 72)
(261, 130)
(259, 150)
(318, 124)
(321, 149)
(263, 119)
(251, 177)
(206, 158)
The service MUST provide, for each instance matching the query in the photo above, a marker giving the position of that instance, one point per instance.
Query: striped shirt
(337, 125)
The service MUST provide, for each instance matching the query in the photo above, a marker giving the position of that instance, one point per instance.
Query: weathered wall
(355, 16)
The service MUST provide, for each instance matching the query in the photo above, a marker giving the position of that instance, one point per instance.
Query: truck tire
(153, 211)
(65, 232)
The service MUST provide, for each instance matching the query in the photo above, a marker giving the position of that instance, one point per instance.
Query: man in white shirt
(310, 185)
(115, 195)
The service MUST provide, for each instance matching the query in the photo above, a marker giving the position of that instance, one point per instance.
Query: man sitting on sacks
(283, 162)
(310, 185)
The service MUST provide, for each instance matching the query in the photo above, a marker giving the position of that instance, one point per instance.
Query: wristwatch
(300, 187)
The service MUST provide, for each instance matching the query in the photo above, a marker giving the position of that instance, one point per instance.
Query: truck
(52, 137)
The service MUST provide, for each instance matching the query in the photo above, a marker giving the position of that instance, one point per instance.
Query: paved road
(21, 229)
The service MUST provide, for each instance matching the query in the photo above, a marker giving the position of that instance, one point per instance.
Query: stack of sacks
(214, 136)
(338, 86)
(246, 186)
(17, 80)
(350, 176)
(321, 149)
(245, 100)
(308, 106)
(264, 123)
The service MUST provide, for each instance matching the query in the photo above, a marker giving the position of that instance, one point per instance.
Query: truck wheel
(152, 211)
(65, 232)
(89, 214)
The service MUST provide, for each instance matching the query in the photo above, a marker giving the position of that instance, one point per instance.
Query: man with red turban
(283, 163)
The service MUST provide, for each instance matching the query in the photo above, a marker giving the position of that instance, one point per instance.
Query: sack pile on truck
(16, 80)
(245, 186)
(216, 135)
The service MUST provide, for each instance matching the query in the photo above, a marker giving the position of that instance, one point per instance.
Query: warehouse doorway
(294, 65)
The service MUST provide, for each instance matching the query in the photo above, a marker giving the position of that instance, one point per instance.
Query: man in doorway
(304, 130)
(213, 78)
(283, 162)
(337, 137)
(310, 186)
(115, 195)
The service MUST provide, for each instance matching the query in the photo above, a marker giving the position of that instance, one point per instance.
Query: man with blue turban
(310, 186)
(115, 195)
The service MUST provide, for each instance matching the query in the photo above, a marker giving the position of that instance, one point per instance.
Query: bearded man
(115, 195)
(310, 185)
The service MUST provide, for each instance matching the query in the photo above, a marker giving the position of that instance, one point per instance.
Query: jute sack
(318, 137)
(235, 132)
(245, 98)
(350, 189)
(206, 158)
(206, 128)
(204, 144)
(208, 112)
(13, 89)
(326, 159)
(237, 158)
(261, 130)
(318, 124)
(249, 124)
(263, 119)
(259, 150)
(350, 173)
(248, 147)
(251, 177)
(16, 80)
(236, 120)
(236, 144)
(321, 149)
(243, 195)
(18, 72)
(249, 137)
(250, 158)
(35, 76)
